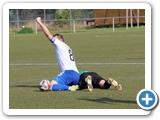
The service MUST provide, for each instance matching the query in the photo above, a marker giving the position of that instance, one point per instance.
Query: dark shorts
(95, 78)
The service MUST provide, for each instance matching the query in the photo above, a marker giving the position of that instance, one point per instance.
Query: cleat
(115, 84)
(89, 83)
(74, 87)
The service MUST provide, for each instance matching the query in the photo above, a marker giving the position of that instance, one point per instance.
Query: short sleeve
(52, 40)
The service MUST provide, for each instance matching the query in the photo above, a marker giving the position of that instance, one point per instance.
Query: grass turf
(119, 54)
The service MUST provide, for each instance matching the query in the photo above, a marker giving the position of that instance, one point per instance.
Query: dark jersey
(95, 78)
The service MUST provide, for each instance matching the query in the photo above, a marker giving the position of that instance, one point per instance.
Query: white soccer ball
(44, 85)
(23, 26)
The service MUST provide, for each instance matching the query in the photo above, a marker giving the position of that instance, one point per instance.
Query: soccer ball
(44, 85)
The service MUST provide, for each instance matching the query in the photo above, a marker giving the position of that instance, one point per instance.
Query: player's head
(59, 37)
(44, 85)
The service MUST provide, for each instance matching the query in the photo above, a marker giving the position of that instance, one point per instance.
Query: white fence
(71, 24)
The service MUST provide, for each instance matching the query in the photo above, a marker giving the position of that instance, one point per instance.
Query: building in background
(118, 17)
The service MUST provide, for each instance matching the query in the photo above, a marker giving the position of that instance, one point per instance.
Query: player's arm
(44, 28)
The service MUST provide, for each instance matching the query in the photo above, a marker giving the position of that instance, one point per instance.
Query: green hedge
(25, 30)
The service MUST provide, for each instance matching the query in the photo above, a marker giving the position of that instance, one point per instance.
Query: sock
(107, 85)
(86, 80)
(59, 87)
(108, 82)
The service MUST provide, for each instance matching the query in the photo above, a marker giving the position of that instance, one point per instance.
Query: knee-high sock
(107, 85)
(59, 87)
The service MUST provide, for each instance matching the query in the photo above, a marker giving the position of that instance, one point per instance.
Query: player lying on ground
(88, 80)
(92, 80)
(46, 85)
(69, 74)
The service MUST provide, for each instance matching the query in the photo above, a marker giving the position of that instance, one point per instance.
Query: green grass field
(119, 54)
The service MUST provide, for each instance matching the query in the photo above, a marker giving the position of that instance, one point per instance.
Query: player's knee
(53, 82)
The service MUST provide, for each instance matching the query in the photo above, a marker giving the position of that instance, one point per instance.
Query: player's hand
(38, 19)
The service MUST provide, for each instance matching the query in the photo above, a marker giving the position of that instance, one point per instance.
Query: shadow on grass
(30, 86)
(107, 100)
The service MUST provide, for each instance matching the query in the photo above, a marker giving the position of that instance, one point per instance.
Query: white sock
(108, 82)
(69, 88)
(86, 80)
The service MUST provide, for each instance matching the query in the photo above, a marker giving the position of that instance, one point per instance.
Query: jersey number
(71, 55)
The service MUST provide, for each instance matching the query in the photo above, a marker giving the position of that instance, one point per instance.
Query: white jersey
(65, 57)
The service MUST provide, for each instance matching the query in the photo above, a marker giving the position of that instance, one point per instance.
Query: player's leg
(57, 83)
(72, 77)
(115, 84)
(59, 87)
(103, 84)
(82, 83)
(67, 80)
(88, 80)
(99, 82)
(85, 81)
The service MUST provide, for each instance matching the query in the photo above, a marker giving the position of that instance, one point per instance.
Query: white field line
(30, 64)
(119, 36)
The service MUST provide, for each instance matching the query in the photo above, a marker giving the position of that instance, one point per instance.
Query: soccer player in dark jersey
(92, 80)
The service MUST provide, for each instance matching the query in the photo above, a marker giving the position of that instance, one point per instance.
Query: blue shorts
(68, 77)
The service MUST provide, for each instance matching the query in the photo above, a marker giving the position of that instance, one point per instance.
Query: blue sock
(59, 87)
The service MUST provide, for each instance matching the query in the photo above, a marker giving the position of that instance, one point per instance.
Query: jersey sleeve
(52, 40)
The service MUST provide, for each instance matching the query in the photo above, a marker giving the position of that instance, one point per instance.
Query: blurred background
(72, 20)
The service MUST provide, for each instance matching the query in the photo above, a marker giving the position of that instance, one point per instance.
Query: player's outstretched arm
(44, 28)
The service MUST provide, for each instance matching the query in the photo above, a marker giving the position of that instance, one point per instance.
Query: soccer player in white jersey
(69, 74)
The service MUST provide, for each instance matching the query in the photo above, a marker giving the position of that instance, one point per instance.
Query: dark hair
(59, 36)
